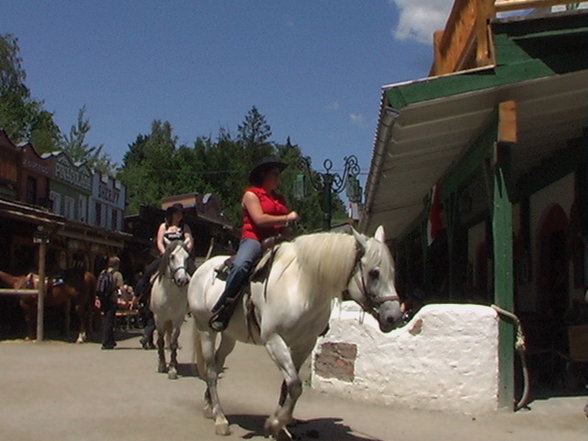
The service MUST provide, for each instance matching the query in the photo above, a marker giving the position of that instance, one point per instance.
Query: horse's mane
(171, 246)
(326, 257)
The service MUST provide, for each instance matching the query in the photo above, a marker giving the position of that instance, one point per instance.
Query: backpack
(105, 285)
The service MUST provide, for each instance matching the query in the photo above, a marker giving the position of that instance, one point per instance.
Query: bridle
(173, 273)
(371, 302)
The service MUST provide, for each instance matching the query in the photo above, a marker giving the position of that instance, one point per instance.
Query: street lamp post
(333, 183)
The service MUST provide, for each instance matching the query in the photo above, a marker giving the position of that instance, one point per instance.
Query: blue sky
(313, 68)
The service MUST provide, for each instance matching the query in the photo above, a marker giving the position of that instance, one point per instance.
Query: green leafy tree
(21, 116)
(254, 133)
(45, 134)
(151, 167)
(76, 147)
(154, 167)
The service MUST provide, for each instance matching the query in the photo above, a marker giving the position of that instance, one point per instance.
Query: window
(114, 219)
(82, 211)
(31, 196)
(69, 208)
(98, 214)
(56, 199)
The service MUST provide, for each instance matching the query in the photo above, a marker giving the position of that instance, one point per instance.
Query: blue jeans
(248, 253)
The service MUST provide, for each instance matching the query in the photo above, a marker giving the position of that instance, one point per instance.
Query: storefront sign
(76, 176)
(35, 166)
(108, 194)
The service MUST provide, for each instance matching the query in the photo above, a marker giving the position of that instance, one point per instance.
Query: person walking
(110, 281)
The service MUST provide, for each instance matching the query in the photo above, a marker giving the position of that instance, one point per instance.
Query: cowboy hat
(256, 174)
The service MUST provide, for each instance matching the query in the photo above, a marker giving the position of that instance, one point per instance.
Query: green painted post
(450, 205)
(503, 274)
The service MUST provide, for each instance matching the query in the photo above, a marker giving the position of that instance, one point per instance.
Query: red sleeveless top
(271, 203)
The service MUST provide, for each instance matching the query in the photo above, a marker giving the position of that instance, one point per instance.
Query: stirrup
(220, 319)
(218, 323)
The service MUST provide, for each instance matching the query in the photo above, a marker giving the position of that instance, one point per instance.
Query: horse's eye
(374, 273)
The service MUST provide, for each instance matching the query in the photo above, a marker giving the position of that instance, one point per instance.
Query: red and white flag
(434, 223)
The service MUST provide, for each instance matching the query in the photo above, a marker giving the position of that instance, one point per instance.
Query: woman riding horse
(265, 214)
(173, 228)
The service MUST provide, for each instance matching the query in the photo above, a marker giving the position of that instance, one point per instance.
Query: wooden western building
(499, 132)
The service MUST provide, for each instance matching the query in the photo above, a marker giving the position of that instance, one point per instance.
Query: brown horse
(78, 287)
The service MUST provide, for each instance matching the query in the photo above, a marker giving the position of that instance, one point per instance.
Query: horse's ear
(360, 238)
(380, 235)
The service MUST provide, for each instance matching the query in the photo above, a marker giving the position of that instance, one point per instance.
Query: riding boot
(225, 305)
(220, 319)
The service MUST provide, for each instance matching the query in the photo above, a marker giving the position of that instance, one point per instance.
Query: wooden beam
(484, 51)
(6, 291)
(466, 41)
(517, 5)
(507, 122)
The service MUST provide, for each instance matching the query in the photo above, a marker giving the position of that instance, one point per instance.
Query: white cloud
(333, 106)
(420, 18)
(357, 118)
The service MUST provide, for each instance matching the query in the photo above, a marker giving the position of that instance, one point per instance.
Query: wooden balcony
(467, 41)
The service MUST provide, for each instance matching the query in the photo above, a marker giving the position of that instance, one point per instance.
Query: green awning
(426, 125)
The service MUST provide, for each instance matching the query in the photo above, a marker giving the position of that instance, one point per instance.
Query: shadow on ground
(315, 429)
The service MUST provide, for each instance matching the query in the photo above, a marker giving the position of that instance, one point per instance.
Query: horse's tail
(197, 355)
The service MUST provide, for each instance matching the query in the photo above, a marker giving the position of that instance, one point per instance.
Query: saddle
(32, 280)
(261, 267)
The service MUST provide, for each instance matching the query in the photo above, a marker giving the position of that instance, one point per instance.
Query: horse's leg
(281, 355)
(225, 347)
(172, 372)
(67, 317)
(161, 366)
(212, 405)
(298, 358)
(31, 322)
(30, 315)
(82, 314)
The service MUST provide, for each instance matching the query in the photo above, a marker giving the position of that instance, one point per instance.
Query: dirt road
(55, 391)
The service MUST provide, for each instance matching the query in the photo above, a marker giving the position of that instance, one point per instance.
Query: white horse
(289, 309)
(169, 302)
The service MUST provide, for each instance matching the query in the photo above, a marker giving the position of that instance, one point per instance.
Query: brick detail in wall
(336, 360)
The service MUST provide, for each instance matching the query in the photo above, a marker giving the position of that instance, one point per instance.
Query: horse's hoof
(222, 428)
(272, 427)
(172, 375)
(162, 369)
(277, 430)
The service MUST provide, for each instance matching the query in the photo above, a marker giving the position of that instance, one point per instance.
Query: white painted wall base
(446, 359)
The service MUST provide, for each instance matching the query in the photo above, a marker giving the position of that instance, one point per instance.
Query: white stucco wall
(446, 358)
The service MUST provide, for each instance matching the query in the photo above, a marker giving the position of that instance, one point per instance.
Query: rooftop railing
(466, 42)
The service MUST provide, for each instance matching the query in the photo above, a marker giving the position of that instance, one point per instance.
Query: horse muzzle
(389, 315)
(180, 276)
(181, 281)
